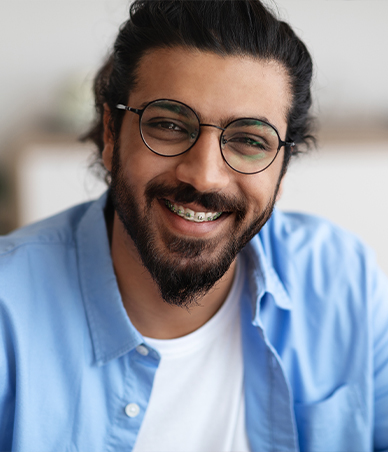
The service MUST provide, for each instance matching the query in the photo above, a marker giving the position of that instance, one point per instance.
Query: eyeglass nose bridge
(210, 125)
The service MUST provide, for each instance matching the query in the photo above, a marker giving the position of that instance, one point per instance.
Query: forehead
(213, 85)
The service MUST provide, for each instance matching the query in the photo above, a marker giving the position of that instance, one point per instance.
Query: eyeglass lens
(170, 128)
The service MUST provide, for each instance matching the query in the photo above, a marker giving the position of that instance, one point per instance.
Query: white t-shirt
(197, 399)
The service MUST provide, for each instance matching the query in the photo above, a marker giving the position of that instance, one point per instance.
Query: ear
(107, 152)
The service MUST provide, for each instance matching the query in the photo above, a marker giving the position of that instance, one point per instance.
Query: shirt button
(132, 409)
(142, 349)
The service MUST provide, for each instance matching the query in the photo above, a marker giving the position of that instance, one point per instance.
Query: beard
(184, 268)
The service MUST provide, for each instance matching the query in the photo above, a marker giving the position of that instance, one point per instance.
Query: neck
(149, 313)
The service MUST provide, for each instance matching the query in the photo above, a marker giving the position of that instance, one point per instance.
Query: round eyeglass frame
(140, 111)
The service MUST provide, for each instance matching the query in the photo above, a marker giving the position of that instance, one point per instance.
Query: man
(180, 312)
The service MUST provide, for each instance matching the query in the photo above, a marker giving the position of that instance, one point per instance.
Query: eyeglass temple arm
(287, 143)
(133, 110)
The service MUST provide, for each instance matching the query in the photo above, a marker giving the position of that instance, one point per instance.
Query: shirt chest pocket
(335, 424)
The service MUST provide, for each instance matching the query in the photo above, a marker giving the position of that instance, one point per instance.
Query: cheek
(260, 188)
(140, 165)
(136, 159)
(259, 192)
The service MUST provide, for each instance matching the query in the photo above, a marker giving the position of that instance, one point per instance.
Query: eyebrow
(176, 108)
(165, 104)
(225, 121)
(252, 121)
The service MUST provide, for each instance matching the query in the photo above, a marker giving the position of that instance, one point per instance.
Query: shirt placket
(141, 364)
(270, 418)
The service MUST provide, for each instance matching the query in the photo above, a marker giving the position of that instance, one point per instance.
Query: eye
(165, 129)
(249, 141)
(166, 124)
(245, 143)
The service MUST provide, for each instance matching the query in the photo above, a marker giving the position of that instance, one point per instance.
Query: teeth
(190, 215)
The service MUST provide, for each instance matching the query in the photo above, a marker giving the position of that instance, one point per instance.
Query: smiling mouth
(191, 215)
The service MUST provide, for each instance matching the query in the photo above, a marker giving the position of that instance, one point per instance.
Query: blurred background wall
(50, 50)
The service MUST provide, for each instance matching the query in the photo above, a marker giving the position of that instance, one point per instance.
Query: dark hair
(225, 27)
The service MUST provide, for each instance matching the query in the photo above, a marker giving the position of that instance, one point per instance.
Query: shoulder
(311, 240)
(297, 230)
(39, 258)
(56, 230)
(39, 275)
(320, 262)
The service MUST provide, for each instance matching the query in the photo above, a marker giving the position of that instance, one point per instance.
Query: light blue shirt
(314, 315)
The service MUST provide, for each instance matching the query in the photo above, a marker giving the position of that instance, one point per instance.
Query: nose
(203, 166)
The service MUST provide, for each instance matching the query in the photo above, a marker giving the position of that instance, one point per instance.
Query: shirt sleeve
(379, 297)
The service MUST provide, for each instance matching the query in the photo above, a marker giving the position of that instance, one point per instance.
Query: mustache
(186, 193)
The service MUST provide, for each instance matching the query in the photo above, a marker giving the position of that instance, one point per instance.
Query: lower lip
(191, 227)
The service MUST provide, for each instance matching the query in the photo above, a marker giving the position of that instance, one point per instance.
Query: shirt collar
(111, 331)
(263, 278)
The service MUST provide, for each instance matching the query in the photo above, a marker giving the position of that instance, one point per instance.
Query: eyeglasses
(170, 128)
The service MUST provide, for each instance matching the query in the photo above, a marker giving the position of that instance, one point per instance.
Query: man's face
(185, 257)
